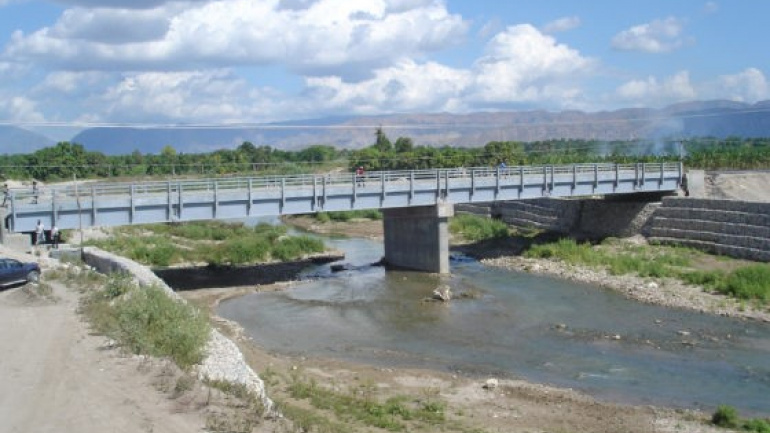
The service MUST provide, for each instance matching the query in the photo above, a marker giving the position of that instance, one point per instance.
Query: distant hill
(18, 140)
(707, 118)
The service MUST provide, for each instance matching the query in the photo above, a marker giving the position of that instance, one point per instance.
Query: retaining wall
(223, 362)
(727, 227)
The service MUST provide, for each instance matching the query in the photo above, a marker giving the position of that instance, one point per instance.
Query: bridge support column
(417, 238)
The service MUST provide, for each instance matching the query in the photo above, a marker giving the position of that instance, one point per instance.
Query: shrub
(296, 247)
(725, 416)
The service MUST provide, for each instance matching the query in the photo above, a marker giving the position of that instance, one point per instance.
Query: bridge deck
(114, 204)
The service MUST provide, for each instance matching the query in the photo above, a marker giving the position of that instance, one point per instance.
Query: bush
(295, 247)
(725, 416)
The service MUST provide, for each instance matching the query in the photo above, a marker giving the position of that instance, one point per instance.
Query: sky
(70, 64)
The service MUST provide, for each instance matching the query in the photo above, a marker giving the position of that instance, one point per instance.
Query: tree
(404, 144)
(382, 143)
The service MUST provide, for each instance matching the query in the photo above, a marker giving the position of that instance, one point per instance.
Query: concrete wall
(727, 227)
(418, 237)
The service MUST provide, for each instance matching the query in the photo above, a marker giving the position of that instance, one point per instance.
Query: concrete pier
(417, 238)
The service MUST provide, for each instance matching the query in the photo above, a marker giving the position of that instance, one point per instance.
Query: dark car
(16, 272)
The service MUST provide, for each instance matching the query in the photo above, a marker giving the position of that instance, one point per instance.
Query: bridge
(415, 203)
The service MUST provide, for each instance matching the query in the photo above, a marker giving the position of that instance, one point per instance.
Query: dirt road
(55, 377)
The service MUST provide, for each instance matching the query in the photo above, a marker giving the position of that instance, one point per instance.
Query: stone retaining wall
(223, 362)
(728, 227)
(733, 228)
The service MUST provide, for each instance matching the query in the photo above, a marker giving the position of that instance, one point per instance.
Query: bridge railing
(93, 189)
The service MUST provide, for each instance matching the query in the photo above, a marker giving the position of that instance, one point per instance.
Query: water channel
(518, 325)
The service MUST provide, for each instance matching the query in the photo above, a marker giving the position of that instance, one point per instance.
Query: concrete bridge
(416, 204)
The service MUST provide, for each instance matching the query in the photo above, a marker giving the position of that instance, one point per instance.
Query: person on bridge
(35, 192)
(55, 235)
(360, 181)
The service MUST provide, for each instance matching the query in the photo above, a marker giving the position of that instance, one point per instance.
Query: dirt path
(55, 377)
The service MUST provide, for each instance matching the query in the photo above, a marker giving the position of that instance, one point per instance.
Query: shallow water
(517, 325)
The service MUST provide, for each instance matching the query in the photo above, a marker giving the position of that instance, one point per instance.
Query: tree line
(66, 160)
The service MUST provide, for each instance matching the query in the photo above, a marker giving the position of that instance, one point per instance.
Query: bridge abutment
(417, 238)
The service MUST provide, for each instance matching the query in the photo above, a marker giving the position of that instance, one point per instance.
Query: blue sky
(68, 64)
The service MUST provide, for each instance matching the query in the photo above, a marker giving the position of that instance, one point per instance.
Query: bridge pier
(417, 238)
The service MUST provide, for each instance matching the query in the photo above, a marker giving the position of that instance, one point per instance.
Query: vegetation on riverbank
(210, 242)
(143, 321)
(344, 216)
(727, 417)
(474, 228)
(744, 281)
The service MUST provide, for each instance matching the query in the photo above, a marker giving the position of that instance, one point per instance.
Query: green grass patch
(147, 321)
(212, 242)
(749, 282)
(344, 216)
(394, 414)
(727, 417)
(475, 228)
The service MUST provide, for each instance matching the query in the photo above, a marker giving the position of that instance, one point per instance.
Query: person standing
(360, 176)
(6, 193)
(55, 236)
(39, 233)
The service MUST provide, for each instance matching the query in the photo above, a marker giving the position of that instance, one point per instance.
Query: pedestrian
(55, 235)
(684, 186)
(6, 193)
(360, 176)
(35, 192)
(39, 233)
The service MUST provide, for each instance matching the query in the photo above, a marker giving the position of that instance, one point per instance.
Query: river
(515, 325)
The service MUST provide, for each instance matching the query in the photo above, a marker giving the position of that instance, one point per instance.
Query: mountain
(705, 118)
(18, 140)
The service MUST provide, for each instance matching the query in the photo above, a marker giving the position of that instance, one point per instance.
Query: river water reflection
(518, 325)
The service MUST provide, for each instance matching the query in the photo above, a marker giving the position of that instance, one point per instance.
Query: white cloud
(659, 36)
(406, 86)
(711, 7)
(749, 86)
(654, 92)
(324, 36)
(20, 109)
(523, 65)
(562, 25)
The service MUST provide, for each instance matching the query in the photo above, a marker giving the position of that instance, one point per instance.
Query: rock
(338, 267)
(652, 285)
(443, 293)
(491, 384)
(560, 326)
(684, 333)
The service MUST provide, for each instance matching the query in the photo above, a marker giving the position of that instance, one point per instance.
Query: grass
(344, 216)
(748, 282)
(147, 321)
(727, 417)
(475, 228)
(217, 243)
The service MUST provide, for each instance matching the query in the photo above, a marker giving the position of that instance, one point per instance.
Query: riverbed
(514, 325)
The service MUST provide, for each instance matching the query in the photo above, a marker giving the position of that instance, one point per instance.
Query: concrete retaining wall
(223, 362)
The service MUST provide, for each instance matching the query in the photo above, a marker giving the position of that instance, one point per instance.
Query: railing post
(660, 181)
(438, 184)
(55, 215)
(574, 177)
(180, 200)
(315, 193)
(216, 199)
(283, 193)
(644, 173)
(617, 177)
(411, 186)
(133, 205)
(596, 176)
(382, 184)
(93, 206)
(521, 180)
(250, 204)
(473, 182)
(169, 210)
